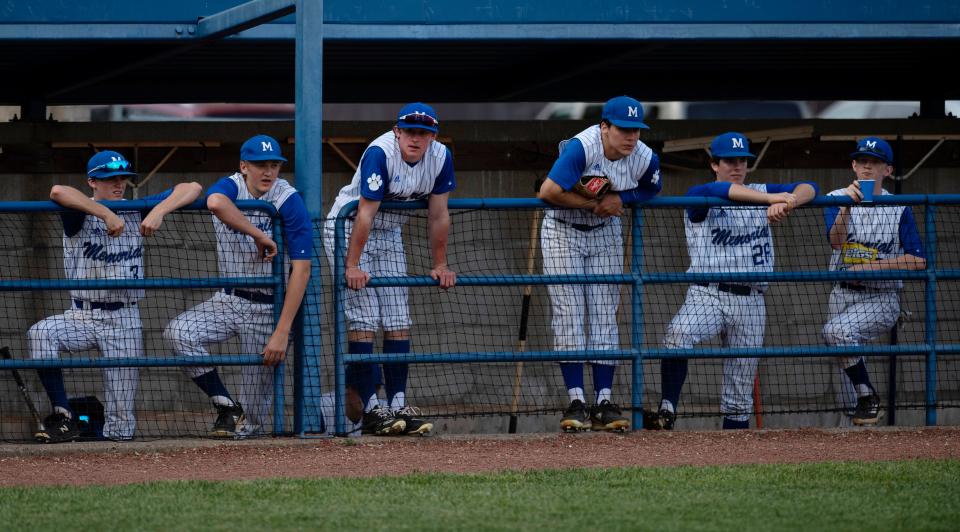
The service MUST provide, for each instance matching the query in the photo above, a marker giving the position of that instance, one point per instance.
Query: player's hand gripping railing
(275, 281)
(637, 278)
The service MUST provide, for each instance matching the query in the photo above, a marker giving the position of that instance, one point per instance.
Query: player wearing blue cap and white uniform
(404, 164)
(586, 238)
(246, 249)
(727, 239)
(868, 238)
(101, 244)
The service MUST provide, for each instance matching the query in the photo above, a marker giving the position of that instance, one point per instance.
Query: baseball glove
(592, 186)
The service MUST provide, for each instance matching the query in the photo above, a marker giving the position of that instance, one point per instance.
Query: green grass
(908, 495)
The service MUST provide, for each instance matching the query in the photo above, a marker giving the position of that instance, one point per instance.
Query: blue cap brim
(267, 158)
(858, 154)
(418, 126)
(108, 175)
(729, 154)
(628, 124)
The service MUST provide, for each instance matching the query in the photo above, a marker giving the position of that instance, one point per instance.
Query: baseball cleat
(58, 428)
(868, 410)
(665, 419)
(607, 416)
(414, 424)
(576, 418)
(380, 421)
(228, 417)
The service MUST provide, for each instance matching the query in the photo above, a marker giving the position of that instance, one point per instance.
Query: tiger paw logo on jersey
(854, 253)
(374, 182)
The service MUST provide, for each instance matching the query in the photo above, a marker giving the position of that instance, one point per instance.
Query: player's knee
(835, 334)
(42, 343)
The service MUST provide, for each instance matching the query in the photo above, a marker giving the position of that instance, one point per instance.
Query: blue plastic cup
(866, 187)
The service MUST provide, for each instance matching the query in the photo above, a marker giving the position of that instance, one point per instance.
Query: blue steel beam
(242, 17)
(308, 129)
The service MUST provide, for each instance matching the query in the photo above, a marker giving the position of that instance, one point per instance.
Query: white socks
(576, 394)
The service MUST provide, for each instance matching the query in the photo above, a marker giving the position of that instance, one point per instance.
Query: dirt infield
(110, 463)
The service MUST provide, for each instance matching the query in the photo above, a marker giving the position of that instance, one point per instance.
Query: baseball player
(586, 238)
(727, 239)
(880, 237)
(245, 249)
(404, 164)
(100, 244)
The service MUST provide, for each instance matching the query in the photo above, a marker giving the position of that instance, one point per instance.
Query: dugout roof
(117, 51)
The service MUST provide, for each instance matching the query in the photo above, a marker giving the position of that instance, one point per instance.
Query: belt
(255, 297)
(581, 227)
(856, 287)
(95, 305)
(735, 289)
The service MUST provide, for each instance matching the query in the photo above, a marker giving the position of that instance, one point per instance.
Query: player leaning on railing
(586, 238)
(727, 239)
(245, 249)
(879, 237)
(404, 164)
(101, 244)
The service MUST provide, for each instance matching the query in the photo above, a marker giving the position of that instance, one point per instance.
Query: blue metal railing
(275, 281)
(637, 278)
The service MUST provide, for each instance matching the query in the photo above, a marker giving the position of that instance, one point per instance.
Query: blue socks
(673, 373)
(211, 385)
(360, 376)
(602, 380)
(572, 374)
(52, 380)
(395, 375)
(729, 424)
(859, 377)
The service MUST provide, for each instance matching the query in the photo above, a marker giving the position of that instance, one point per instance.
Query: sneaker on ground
(58, 428)
(607, 416)
(380, 421)
(666, 419)
(868, 410)
(228, 417)
(414, 423)
(576, 418)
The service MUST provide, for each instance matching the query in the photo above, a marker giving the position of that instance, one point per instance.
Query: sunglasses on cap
(418, 118)
(112, 165)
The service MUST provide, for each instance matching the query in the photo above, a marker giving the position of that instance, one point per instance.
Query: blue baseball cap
(624, 111)
(874, 147)
(418, 116)
(106, 164)
(731, 144)
(261, 148)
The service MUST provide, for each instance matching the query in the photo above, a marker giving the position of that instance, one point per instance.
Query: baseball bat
(5, 353)
(524, 318)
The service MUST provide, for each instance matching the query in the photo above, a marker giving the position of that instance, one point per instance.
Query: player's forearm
(360, 233)
(838, 232)
(554, 194)
(183, 194)
(804, 193)
(228, 213)
(903, 262)
(293, 297)
(747, 194)
(72, 198)
(438, 229)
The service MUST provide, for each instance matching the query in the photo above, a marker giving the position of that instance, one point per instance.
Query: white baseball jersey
(92, 254)
(237, 252)
(873, 233)
(731, 239)
(404, 182)
(624, 173)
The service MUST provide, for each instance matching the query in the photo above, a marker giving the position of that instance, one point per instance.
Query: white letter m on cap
(872, 144)
(266, 146)
(737, 142)
(631, 111)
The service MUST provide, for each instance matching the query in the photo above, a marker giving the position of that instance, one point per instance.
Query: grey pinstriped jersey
(624, 174)
(92, 254)
(731, 239)
(403, 182)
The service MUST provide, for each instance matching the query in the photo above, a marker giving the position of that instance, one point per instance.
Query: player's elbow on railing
(217, 202)
(58, 192)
